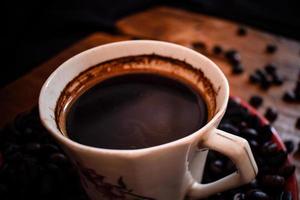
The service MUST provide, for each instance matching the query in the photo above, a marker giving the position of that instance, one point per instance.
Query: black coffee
(135, 111)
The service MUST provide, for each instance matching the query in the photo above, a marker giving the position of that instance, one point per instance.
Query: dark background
(37, 30)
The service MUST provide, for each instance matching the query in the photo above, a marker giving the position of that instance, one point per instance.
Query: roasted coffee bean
(278, 159)
(241, 31)
(237, 69)
(297, 124)
(257, 195)
(250, 133)
(230, 166)
(289, 96)
(266, 132)
(229, 128)
(271, 114)
(260, 73)
(254, 122)
(276, 79)
(32, 147)
(256, 101)
(285, 196)
(10, 149)
(239, 196)
(199, 45)
(59, 159)
(48, 149)
(217, 50)
(269, 148)
(287, 171)
(289, 144)
(273, 181)
(217, 167)
(233, 57)
(254, 145)
(265, 83)
(253, 184)
(270, 68)
(254, 78)
(271, 48)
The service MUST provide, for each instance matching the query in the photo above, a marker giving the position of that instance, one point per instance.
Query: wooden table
(184, 28)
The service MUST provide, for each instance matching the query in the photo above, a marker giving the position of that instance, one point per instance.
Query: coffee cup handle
(238, 150)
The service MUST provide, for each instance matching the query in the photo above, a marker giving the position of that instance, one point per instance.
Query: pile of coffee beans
(274, 171)
(32, 165)
(267, 77)
(294, 95)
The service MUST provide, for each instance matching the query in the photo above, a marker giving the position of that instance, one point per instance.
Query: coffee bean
(271, 114)
(239, 196)
(249, 133)
(32, 147)
(276, 79)
(260, 73)
(254, 122)
(278, 159)
(254, 78)
(297, 124)
(271, 48)
(253, 184)
(273, 181)
(48, 149)
(265, 83)
(289, 144)
(59, 159)
(256, 101)
(229, 128)
(237, 69)
(287, 171)
(241, 31)
(199, 45)
(230, 167)
(233, 56)
(270, 68)
(217, 50)
(257, 195)
(289, 96)
(286, 196)
(253, 144)
(216, 167)
(269, 148)
(11, 149)
(266, 132)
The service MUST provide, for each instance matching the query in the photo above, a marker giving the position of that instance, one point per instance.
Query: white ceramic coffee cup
(166, 172)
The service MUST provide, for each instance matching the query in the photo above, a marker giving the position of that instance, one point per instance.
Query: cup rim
(130, 152)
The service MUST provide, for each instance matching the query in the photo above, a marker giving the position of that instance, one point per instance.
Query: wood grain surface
(184, 28)
(22, 95)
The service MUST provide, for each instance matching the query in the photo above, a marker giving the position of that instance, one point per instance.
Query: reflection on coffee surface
(133, 111)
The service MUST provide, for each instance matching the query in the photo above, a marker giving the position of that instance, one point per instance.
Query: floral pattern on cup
(119, 191)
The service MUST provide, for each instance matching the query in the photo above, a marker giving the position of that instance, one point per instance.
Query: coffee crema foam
(154, 64)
